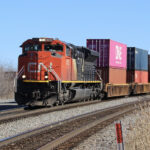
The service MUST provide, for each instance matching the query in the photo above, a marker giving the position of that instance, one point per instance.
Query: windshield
(32, 47)
(57, 47)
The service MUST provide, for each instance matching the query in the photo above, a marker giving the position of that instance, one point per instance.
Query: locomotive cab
(39, 56)
(51, 71)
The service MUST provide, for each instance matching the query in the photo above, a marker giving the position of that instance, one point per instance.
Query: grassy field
(138, 137)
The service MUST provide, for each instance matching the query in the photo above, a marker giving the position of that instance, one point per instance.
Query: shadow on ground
(8, 105)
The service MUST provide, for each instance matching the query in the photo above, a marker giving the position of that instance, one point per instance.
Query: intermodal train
(52, 72)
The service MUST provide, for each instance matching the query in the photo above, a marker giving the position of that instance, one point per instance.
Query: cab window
(32, 47)
(57, 47)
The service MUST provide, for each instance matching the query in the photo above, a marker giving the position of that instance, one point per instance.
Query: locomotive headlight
(23, 76)
(42, 40)
(46, 77)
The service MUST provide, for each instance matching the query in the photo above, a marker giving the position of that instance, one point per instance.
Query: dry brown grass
(139, 136)
(6, 83)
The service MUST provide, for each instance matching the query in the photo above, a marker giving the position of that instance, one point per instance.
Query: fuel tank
(81, 94)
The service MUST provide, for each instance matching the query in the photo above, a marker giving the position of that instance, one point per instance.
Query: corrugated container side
(103, 52)
(113, 75)
(144, 77)
(101, 46)
(136, 76)
(111, 53)
(130, 76)
(137, 59)
(131, 58)
(144, 58)
(141, 76)
(117, 76)
(149, 62)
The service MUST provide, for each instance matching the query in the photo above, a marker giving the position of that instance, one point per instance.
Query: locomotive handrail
(15, 84)
(55, 74)
(20, 72)
(99, 75)
(16, 77)
(57, 77)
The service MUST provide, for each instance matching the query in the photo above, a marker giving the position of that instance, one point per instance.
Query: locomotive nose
(28, 66)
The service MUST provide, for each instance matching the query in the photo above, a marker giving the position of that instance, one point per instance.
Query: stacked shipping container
(137, 65)
(136, 76)
(112, 61)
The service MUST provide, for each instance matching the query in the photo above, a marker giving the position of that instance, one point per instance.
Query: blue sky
(126, 21)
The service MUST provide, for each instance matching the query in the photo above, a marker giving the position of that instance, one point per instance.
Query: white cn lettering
(32, 67)
(118, 53)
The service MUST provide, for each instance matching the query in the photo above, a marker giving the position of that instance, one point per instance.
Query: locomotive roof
(84, 49)
(35, 40)
(79, 48)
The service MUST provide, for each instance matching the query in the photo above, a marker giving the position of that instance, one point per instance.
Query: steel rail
(24, 135)
(66, 137)
(13, 115)
(19, 113)
(11, 110)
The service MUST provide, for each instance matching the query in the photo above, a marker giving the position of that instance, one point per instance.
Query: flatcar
(52, 72)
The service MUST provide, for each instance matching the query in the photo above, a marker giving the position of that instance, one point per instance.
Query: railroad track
(11, 111)
(24, 112)
(66, 134)
(19, 113)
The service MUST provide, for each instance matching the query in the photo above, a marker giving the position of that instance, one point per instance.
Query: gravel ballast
(16, 127)
(105, 139)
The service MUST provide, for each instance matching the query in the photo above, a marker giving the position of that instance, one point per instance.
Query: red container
(113, 75)
(111, 53)
(136, 76)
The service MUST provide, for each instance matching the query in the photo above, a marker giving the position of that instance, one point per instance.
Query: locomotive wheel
(62, 103)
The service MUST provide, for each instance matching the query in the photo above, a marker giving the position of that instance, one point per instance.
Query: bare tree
(7, 76)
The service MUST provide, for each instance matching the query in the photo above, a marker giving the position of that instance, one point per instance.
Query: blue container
(137, 59)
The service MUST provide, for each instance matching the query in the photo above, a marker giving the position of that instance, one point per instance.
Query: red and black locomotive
(51, 72)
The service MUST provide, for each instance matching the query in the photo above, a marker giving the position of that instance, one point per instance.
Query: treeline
(7, 76)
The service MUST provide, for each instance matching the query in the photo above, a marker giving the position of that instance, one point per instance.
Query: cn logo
(32, 67)
(118, 52)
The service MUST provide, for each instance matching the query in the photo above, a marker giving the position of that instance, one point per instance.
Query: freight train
(53, 72)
